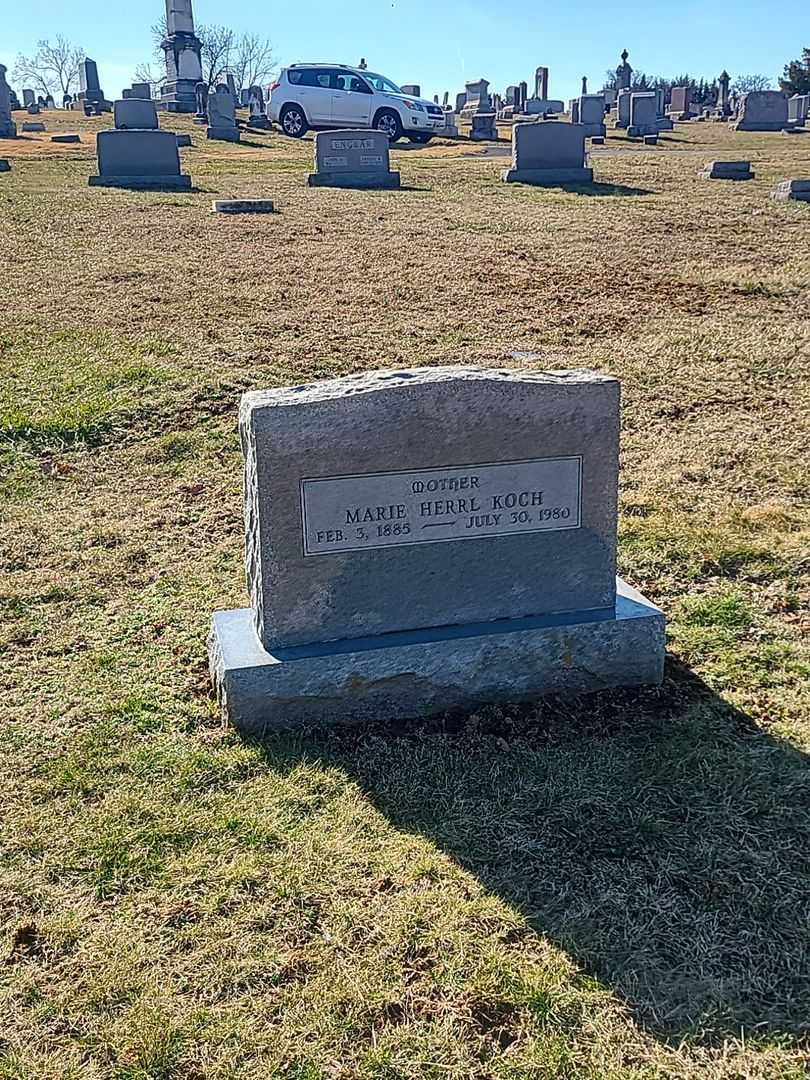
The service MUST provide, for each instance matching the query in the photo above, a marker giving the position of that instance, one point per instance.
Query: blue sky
(442, 43)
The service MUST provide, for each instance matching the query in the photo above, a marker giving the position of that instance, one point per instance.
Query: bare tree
(145, 74)
(252, 62)
(54, 68)
(750, 84)
(217, 44)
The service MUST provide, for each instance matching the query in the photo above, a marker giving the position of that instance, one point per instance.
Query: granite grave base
(547, 177)
(143, 183)
(420, 673)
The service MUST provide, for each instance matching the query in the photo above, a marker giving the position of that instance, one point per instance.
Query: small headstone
(651, 140)
(591, 113)
(727, 170)
(792, 191)
(4, 165)
(681, 103)
(483, 127)
(34, 110)
(139, 159)
(184, 140)
(623, 108)
(32, 126)
(765, 110)
(49, 102)
(798, 108)
(29, 98)
(242, 206)
(65, 138)
(352, 159)
(135, 114)
(548, 154)
(201, 98)
(141, 90)
(643, 119)
(597, 140)
(468, 555)
(222, 116)
(258, 117)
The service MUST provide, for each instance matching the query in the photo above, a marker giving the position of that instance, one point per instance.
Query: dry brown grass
(612, 889)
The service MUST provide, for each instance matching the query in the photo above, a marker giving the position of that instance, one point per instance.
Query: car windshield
(380, 83)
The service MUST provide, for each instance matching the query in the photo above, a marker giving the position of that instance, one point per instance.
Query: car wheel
(389, 123)
(419, 137)
(293, 121)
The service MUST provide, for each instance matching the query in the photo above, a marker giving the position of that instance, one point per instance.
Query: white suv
(335, 96)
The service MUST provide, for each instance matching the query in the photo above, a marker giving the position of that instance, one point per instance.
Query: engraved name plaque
(430, 506)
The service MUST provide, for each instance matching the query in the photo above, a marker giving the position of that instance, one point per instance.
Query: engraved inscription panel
(429, 506)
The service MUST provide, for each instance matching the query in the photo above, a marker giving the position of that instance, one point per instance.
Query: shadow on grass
(603, 189)
(659, 837)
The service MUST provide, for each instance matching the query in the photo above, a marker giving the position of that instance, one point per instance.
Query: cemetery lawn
(614, 888)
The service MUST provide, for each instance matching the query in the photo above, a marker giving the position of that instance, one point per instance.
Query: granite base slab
(421, 673)
(388, 181)
(143, 183)
(224, 134)
(547, 177)
(242, 206)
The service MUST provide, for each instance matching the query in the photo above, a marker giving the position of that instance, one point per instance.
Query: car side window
(295, 77)
(313, 77)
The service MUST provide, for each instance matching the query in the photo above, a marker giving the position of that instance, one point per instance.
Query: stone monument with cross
(183, 50)
(624, 73)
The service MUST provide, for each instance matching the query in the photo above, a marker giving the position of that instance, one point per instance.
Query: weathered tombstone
(511, 95)
(681, 103)
(541, 83)
(90, 92)
(29, 98)
(141, 90)
(8, 129)
(573, 110)
(33, 110)
(242, 206)
(591, 113)
(65, 139)
(524, 96)
(765, 110)
(623, 108)
(450, 130)
(643, 120)
(258, 117)
(243, 98)
(484, 127)
(445, 565)
(461, 101)
(548, 154)
(792, 191)
(201, 97)
(32, 126)
(352, 159)
(798, 109)
(222, 116)
(49, 102)
(650, 140)
(411, 89)
(235, 92)
(135, 114)
(723, 84)
(67, 100)
(477, 98)
(14, 101)
(624, 73)
(727, 170)
(182, 49)
(139, 158)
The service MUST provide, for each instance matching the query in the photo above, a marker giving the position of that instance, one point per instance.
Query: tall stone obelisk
(183, 64)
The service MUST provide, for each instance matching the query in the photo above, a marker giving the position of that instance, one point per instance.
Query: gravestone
(8, 129)
(201, 98)
(792, 191)
(242, 206)
(141, 90)
(29, 98)
(230, 83)
(135, 114)
(90, 92)
(182, 49)
(31, 126)
(484, 127)
(623, 109)
(352, 159)
(461, 101)
(258, 117)
(798, 107)
(4, 165)
(591, 114)
(681, 103)
(139, 158)
(723, 102)
(222, 116)
(765, 110)
(427, 540)
(643, 119)
(541, 83)
(65, 139)
(624, 73)
(33, 110)
(727, 170)
(548, 154)
(183, 140)
(573, 110)
(477, 98)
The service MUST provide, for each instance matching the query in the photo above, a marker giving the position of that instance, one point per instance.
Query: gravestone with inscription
(547, 154)
(352, 159)
(430, 539)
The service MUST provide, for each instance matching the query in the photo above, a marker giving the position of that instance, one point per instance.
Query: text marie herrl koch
(423, 506)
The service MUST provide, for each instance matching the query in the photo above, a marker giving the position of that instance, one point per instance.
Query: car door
(351, 100)
(316, 95)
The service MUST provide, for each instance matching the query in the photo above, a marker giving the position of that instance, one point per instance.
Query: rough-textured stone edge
(414, 674)
(368, 382)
